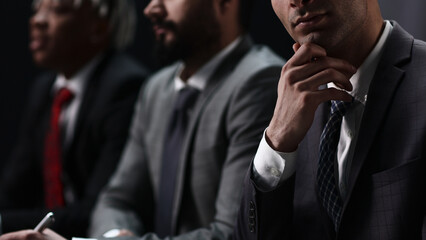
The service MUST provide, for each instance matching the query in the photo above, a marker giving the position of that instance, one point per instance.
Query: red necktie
(53, 153)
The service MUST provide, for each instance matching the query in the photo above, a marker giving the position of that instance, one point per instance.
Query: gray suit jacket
(227, 123)
(387, 180)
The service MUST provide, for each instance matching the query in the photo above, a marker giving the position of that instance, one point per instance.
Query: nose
(300, 3)
(39, 19)
(155, 10)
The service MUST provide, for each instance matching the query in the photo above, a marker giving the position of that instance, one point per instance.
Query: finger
(125, 232)
(327, 70)
(329, 94)
(325, 65)
(326, 76)
(339, 64)
(52, 235)
(306, 53)
(296, 47)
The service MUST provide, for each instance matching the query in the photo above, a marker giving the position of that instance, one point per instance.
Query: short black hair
(245, 14)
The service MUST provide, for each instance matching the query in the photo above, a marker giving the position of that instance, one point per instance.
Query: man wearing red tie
(78, 115)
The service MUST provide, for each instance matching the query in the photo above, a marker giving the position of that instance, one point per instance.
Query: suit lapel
(212, 86)
(314, 134)
(382, 89)
(86, 105)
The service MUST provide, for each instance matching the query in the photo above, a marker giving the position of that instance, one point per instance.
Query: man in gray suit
(199, 197)
(344, 155)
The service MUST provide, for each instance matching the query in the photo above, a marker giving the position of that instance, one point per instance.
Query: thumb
(296, 47)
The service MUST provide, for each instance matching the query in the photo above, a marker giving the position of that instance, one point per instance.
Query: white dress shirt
(272, 167)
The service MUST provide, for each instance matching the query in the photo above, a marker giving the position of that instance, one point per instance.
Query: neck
(356, 49)
(201, 56)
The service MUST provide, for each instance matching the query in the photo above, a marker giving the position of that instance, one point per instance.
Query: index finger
(52, 235)
(306, 53)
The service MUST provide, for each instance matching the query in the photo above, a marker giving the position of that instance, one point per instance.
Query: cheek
(276, 6)
(281, 10)
(280, 7)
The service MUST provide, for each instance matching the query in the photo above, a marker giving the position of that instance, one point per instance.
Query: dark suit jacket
(387, 180)
(100, 133)
(225, 128)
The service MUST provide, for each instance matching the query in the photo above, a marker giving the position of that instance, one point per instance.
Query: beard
(198, 32)
(167, 53)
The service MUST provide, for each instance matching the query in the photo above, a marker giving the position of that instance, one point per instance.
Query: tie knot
(186, 98)
(339, 107)
(64, 95)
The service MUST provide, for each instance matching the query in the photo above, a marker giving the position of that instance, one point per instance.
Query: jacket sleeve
(265, 215)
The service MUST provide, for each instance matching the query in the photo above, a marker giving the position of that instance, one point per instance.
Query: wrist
(277, 141)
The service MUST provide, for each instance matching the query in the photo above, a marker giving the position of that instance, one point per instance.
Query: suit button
(252, 217)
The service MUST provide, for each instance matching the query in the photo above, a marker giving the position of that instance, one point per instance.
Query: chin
(41, 60)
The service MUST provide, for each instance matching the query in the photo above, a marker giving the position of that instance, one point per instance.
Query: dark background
(17, 70)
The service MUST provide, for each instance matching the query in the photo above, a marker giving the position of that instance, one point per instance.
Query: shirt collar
(362, 78)
(77, 82)
(199, 79)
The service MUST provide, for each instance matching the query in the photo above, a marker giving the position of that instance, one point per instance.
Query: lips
(308, 21)
(37, 42)
(159, 30)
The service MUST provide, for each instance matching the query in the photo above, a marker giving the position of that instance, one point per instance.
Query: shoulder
(121, 66)
(260, 57)
(161, 80)
(404, 52)
(41, 86)
(419, 50)
(259, 65)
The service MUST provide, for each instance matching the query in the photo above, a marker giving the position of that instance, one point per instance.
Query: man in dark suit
(66, 153)
(356, 171)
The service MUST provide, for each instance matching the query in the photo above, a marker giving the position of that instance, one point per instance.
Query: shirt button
(274, 172)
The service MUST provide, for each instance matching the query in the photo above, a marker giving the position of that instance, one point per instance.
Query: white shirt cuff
(113, 233)
(271, 167)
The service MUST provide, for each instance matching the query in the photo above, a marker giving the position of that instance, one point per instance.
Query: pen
(45, 222)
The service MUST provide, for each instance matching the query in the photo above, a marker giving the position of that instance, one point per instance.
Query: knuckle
(304, 99)
(308, 46)
(327, 71)
(299, 86)
(290, 76)
(331, 73)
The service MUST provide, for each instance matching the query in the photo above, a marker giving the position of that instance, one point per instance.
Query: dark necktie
(327, 187)
(52, 165)
(174, 138)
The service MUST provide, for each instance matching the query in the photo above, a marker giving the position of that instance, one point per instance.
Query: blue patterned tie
(174, 138)
(328, 191)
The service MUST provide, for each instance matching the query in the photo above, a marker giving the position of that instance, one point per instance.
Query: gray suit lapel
(382, 89)
(212, 86)
(164, 103)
